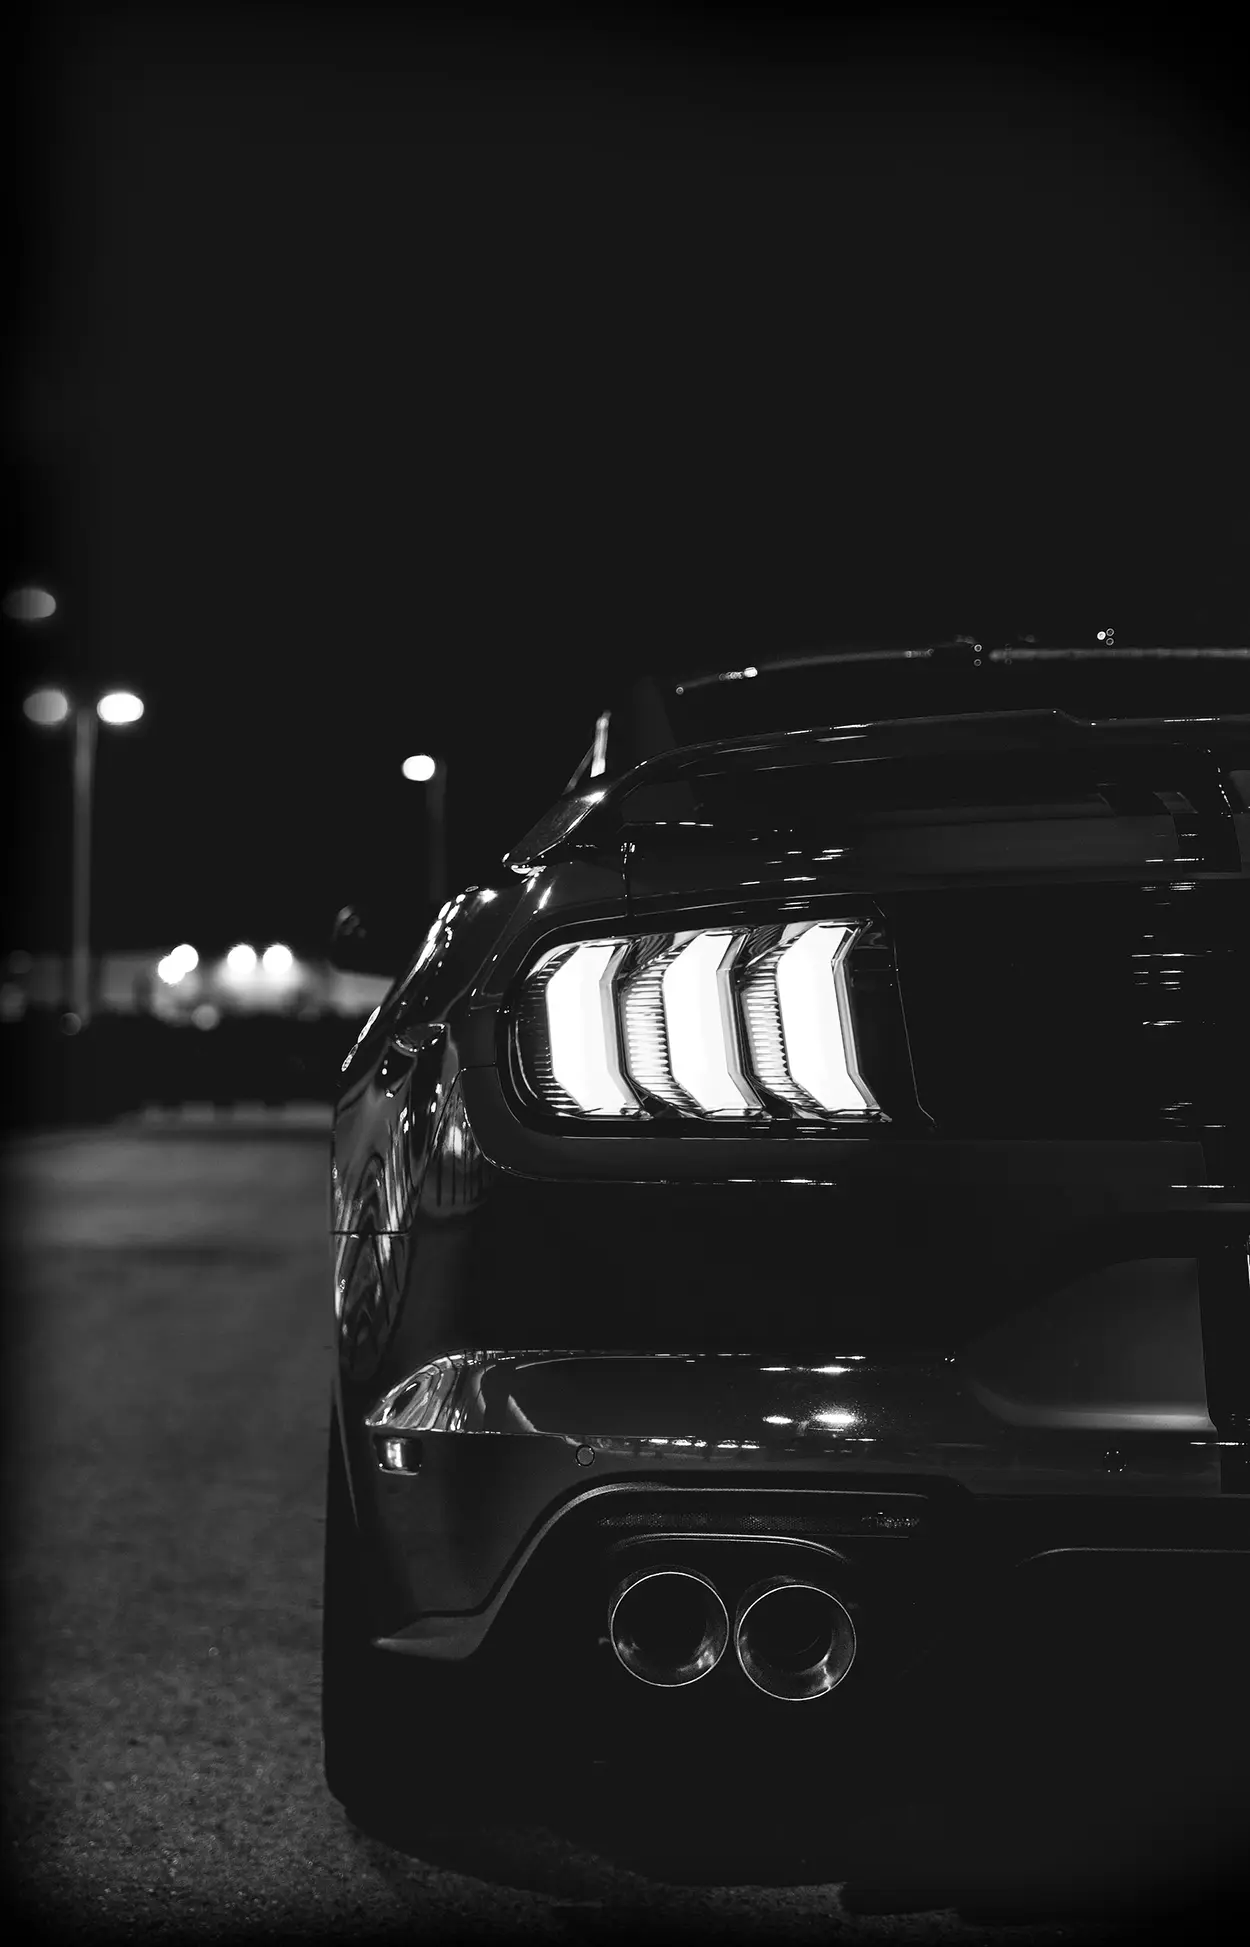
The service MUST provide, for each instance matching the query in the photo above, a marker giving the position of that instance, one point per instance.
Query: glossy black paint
(1014, 1316)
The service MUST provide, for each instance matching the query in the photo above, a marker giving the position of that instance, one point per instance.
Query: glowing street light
(423, 769)
(29, 604)
(49, 708)
(177, 965)
(277, 960)
(119, 706)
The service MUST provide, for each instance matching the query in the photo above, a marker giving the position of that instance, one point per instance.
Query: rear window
(966, 788)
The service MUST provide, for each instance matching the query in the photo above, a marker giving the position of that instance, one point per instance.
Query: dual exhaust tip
(669, 1627)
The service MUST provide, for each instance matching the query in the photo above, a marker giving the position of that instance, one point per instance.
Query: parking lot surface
(168, 1361)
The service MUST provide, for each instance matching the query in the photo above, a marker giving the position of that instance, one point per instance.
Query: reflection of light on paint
(836, 1416)
(830, 1370)
(777, 1419)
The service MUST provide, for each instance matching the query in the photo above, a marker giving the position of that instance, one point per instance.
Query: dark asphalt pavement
(168, 1305)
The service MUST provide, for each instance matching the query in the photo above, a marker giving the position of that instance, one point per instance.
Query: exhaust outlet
(668, 1626)
(793, 1640)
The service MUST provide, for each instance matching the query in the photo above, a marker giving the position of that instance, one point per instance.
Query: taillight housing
(721, 1024)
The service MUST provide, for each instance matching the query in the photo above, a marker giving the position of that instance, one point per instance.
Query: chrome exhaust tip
(795, 1641)
(668, 1626)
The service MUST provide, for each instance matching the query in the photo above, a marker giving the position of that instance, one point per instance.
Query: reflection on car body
(798, 1212)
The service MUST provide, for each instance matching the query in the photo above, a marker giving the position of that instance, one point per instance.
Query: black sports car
(791, 1240)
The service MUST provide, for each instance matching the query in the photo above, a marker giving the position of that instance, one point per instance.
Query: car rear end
(806, 1244)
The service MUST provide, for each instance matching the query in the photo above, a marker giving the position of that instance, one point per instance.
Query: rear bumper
(479, 1466)
(790, 1343)
(1038, 1620)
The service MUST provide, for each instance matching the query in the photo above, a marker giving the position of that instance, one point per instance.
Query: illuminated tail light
(582, 1052)
(817, 1032)
(717, 1023)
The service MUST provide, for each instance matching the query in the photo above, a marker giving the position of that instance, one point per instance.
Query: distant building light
(120, 706)
(177, 965)
(46, 707)
(277, 959)
(418, 770)
(29, 605)
(241, 959)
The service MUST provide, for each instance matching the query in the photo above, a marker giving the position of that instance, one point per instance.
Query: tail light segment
(719, 1024)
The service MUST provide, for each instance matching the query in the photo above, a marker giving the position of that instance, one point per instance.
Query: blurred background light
(177, 965)
(241, 959)
(120, 706)
(206, 1015)
(46, 706)
(418, 770)
(29, 604)
(277, 959)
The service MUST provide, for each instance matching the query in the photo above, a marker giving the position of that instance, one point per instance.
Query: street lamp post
(435, 804)
(49, 708)
(432, 771)
(80, 931)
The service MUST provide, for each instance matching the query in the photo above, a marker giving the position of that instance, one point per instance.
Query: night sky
(384, 386)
